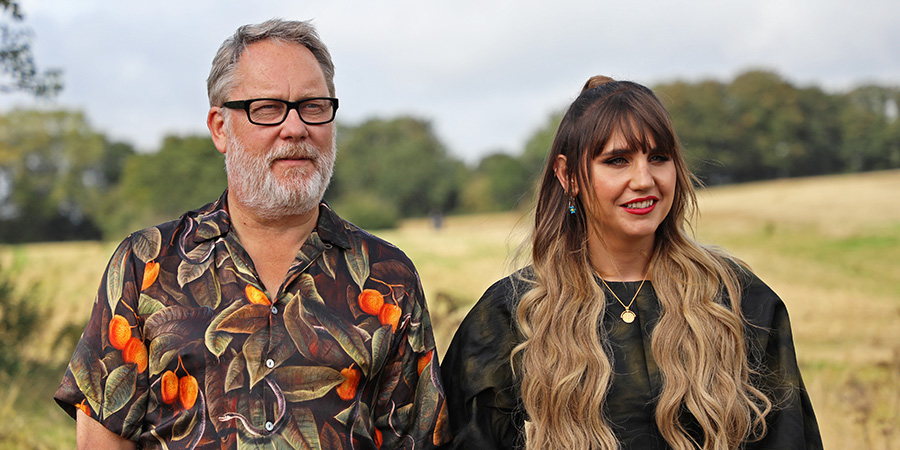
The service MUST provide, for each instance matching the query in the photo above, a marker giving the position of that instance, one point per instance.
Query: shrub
(20, 318)
(368, 211)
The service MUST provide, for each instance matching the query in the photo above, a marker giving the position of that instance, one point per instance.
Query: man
(262, 319)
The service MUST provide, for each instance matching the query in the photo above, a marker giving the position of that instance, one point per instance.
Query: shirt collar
(332, 228)
(214, 222)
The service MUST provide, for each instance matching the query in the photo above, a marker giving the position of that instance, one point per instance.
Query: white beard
(270, 197)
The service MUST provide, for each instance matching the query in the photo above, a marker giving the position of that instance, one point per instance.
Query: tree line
(60, 179)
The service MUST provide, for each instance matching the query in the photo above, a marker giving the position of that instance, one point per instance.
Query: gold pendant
(627, 316)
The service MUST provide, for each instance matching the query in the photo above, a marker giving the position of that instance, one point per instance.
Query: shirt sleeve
(482, 396)
(411, 405)
(792, 423)
(107, 375)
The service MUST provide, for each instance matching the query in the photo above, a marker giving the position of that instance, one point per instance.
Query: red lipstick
(641, 206)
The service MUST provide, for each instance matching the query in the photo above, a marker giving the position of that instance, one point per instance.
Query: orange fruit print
(187, 391)
(347, 389)
(256, 296)
(151, 272)
(390, 314)
(371, 301)
(135, 352)
(169, 387)
(423, 361)
(119, 332)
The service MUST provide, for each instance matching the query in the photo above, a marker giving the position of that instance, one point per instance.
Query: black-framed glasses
(273, 111)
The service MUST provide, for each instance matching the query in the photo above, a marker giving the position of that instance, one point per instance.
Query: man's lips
(292, 160)
(641, 206)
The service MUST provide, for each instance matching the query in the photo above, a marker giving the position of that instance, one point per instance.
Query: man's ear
(215, 121)
(562, 174)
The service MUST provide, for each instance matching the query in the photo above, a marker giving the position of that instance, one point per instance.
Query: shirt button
(270, 364)
(274, 310)
(270, 426)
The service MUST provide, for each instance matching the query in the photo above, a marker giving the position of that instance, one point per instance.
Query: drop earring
(571, 205)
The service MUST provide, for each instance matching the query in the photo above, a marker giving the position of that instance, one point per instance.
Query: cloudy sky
(485, 72)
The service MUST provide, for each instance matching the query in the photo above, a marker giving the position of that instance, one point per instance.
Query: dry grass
(830, 246)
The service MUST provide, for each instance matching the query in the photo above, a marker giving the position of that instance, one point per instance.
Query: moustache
(293, 151)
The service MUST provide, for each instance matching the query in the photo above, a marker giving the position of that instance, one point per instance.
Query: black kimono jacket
(485, 405)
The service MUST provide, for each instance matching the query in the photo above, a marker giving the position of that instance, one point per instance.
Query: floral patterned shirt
(184, 350)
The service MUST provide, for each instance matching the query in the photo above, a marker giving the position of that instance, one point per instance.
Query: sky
(485, 73)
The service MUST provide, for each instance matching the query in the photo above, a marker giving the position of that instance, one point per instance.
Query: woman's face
(633, 190)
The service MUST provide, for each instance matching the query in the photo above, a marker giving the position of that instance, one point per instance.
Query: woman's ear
(562, 174)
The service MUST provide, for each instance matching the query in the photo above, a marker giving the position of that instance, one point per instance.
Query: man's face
(282, 170)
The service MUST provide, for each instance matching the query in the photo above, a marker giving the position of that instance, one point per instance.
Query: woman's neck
(619, 261)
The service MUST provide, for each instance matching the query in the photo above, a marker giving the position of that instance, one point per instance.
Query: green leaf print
(263, 346)
(358, 261)
(427, 402)
(115, 276)
(131, 428)
(301, 431)
(303, 383)
(300, 331)
(208, 229)
(217, 341)
(339, 328)
(381, 346)
(247, 320)
(328, 262)
(87, 370)
(330, 439)
(146, 244)
(189, 271)
(119, 388)
(163, 349)
(148, 305)
(243, 270)
(234, 377)
(176, 320)
(186, 422)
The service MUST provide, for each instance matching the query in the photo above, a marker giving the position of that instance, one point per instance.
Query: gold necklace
(628, 315)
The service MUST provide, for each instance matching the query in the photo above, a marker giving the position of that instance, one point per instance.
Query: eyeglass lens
(273, 112)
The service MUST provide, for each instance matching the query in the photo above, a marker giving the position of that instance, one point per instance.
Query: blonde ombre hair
(564, 363)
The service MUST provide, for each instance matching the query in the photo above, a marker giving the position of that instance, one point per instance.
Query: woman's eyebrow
(618, 151)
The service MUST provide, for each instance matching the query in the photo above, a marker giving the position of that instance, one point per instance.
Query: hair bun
(596, 80)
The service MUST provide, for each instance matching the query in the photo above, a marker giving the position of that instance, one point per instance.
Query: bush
(19, 319)
(368, 211)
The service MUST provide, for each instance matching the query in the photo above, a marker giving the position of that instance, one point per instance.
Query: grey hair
(222, 77)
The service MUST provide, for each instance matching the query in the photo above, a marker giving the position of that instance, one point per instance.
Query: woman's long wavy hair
(564, 364)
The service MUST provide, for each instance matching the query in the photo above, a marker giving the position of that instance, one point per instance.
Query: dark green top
(484, 401)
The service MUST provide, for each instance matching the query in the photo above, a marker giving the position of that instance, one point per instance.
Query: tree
(399, 161)
(186, 173)
(17, 66)
(54, 171)
(534, 156)
(698, 117)
(871, 128)
(758, 126)
(500, 183)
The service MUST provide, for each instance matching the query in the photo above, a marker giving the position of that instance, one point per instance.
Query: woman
(624, 332)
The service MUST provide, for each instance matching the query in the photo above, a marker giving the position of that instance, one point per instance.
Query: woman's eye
(615, 161)
(659, 158)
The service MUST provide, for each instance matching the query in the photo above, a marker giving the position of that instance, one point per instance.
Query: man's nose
(293, 127)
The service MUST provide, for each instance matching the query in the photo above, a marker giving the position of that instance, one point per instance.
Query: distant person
(261, 320)
(624, 332)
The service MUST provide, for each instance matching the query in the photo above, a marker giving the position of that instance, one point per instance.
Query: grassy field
(830, 246)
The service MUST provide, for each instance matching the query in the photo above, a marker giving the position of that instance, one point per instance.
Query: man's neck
(272, 244)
